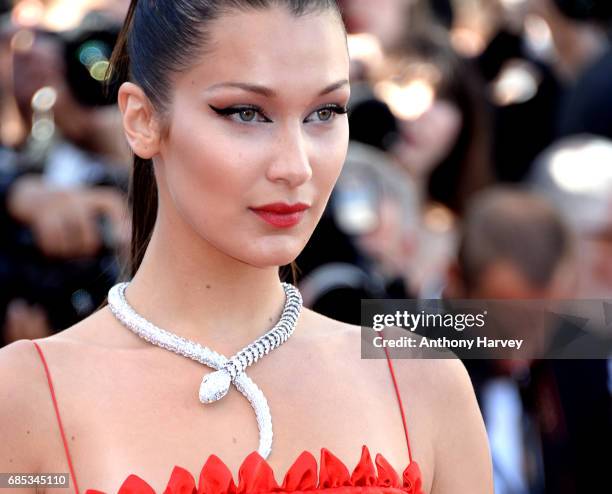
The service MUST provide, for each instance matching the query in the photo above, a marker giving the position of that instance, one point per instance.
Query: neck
(188, 287)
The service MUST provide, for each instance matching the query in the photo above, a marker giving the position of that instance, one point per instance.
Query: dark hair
(515, 225)
(468, 167)
(158, 39)
(586, 10)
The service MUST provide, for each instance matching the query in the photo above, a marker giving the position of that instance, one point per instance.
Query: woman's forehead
(275, 47)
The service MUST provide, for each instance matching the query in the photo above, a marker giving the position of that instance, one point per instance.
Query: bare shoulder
(28, 423)
(439, 378)
(461, 452)
(445, 422)
(21, 379)
(23, 392)
(463, 458)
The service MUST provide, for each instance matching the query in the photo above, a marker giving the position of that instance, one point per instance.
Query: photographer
(62, 189)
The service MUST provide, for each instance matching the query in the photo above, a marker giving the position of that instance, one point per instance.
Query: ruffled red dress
(255, 475)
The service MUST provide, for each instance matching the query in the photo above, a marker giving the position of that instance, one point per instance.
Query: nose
(291, 163)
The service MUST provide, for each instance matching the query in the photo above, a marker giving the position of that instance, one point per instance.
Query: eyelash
(227, 112)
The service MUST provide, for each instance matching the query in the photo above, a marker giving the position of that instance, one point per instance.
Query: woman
(446, 147)
(237, 106)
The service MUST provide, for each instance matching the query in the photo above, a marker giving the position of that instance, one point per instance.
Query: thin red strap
(59, 420)
(399, 400)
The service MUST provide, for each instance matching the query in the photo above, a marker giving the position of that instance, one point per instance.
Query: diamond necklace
(227, 370)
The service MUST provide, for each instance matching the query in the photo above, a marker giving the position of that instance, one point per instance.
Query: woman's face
(426, 141)
(257, 122)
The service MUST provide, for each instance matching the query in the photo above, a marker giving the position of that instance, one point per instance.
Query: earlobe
(139, 122)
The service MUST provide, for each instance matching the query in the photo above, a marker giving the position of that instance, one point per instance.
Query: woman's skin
(210, 274)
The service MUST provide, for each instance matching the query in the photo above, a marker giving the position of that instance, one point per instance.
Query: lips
(281, 215)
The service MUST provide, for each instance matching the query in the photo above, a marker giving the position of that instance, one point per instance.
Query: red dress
(255, 476)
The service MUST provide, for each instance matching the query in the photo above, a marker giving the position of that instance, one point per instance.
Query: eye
(246, 114)
(327, 113)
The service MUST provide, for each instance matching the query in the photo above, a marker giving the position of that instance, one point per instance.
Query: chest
(143, 417)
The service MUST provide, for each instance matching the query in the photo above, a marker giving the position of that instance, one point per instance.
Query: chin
(279, 256)
(274, 260)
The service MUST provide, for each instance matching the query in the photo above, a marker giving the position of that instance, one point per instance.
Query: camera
(87, 53)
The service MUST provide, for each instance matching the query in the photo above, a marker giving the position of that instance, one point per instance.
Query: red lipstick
(281, 215)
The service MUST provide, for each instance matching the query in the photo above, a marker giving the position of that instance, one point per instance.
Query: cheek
(328, 157)
(205, 177)
(206, 162)
(208, 166)
(438, 131)
(446, 119)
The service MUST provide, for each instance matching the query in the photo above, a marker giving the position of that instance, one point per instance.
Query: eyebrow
(270, 93)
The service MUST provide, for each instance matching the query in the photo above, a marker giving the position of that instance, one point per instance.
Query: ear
(139, 121)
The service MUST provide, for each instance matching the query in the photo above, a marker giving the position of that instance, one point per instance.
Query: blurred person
(582, 58)
(388, 20)
(383, 19)
(588, 104)
(55, 260)
(63, 210)
(510, 49)
(576, 175)
(582, 34)
(10, 125)
(25, 321)
(61, 15)
(545, 418)
(427, 112)
(375, 210)
(443, 11)
(579, 31)
(443, 137)
(515, 245)
(115, 8)
(40, 60)
(376, 27)
(58, 254)
(377, 204)
(221, 200)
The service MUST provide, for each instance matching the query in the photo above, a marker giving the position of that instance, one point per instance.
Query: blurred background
(480, 167)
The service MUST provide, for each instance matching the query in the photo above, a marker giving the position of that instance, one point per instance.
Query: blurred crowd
(479, 167)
